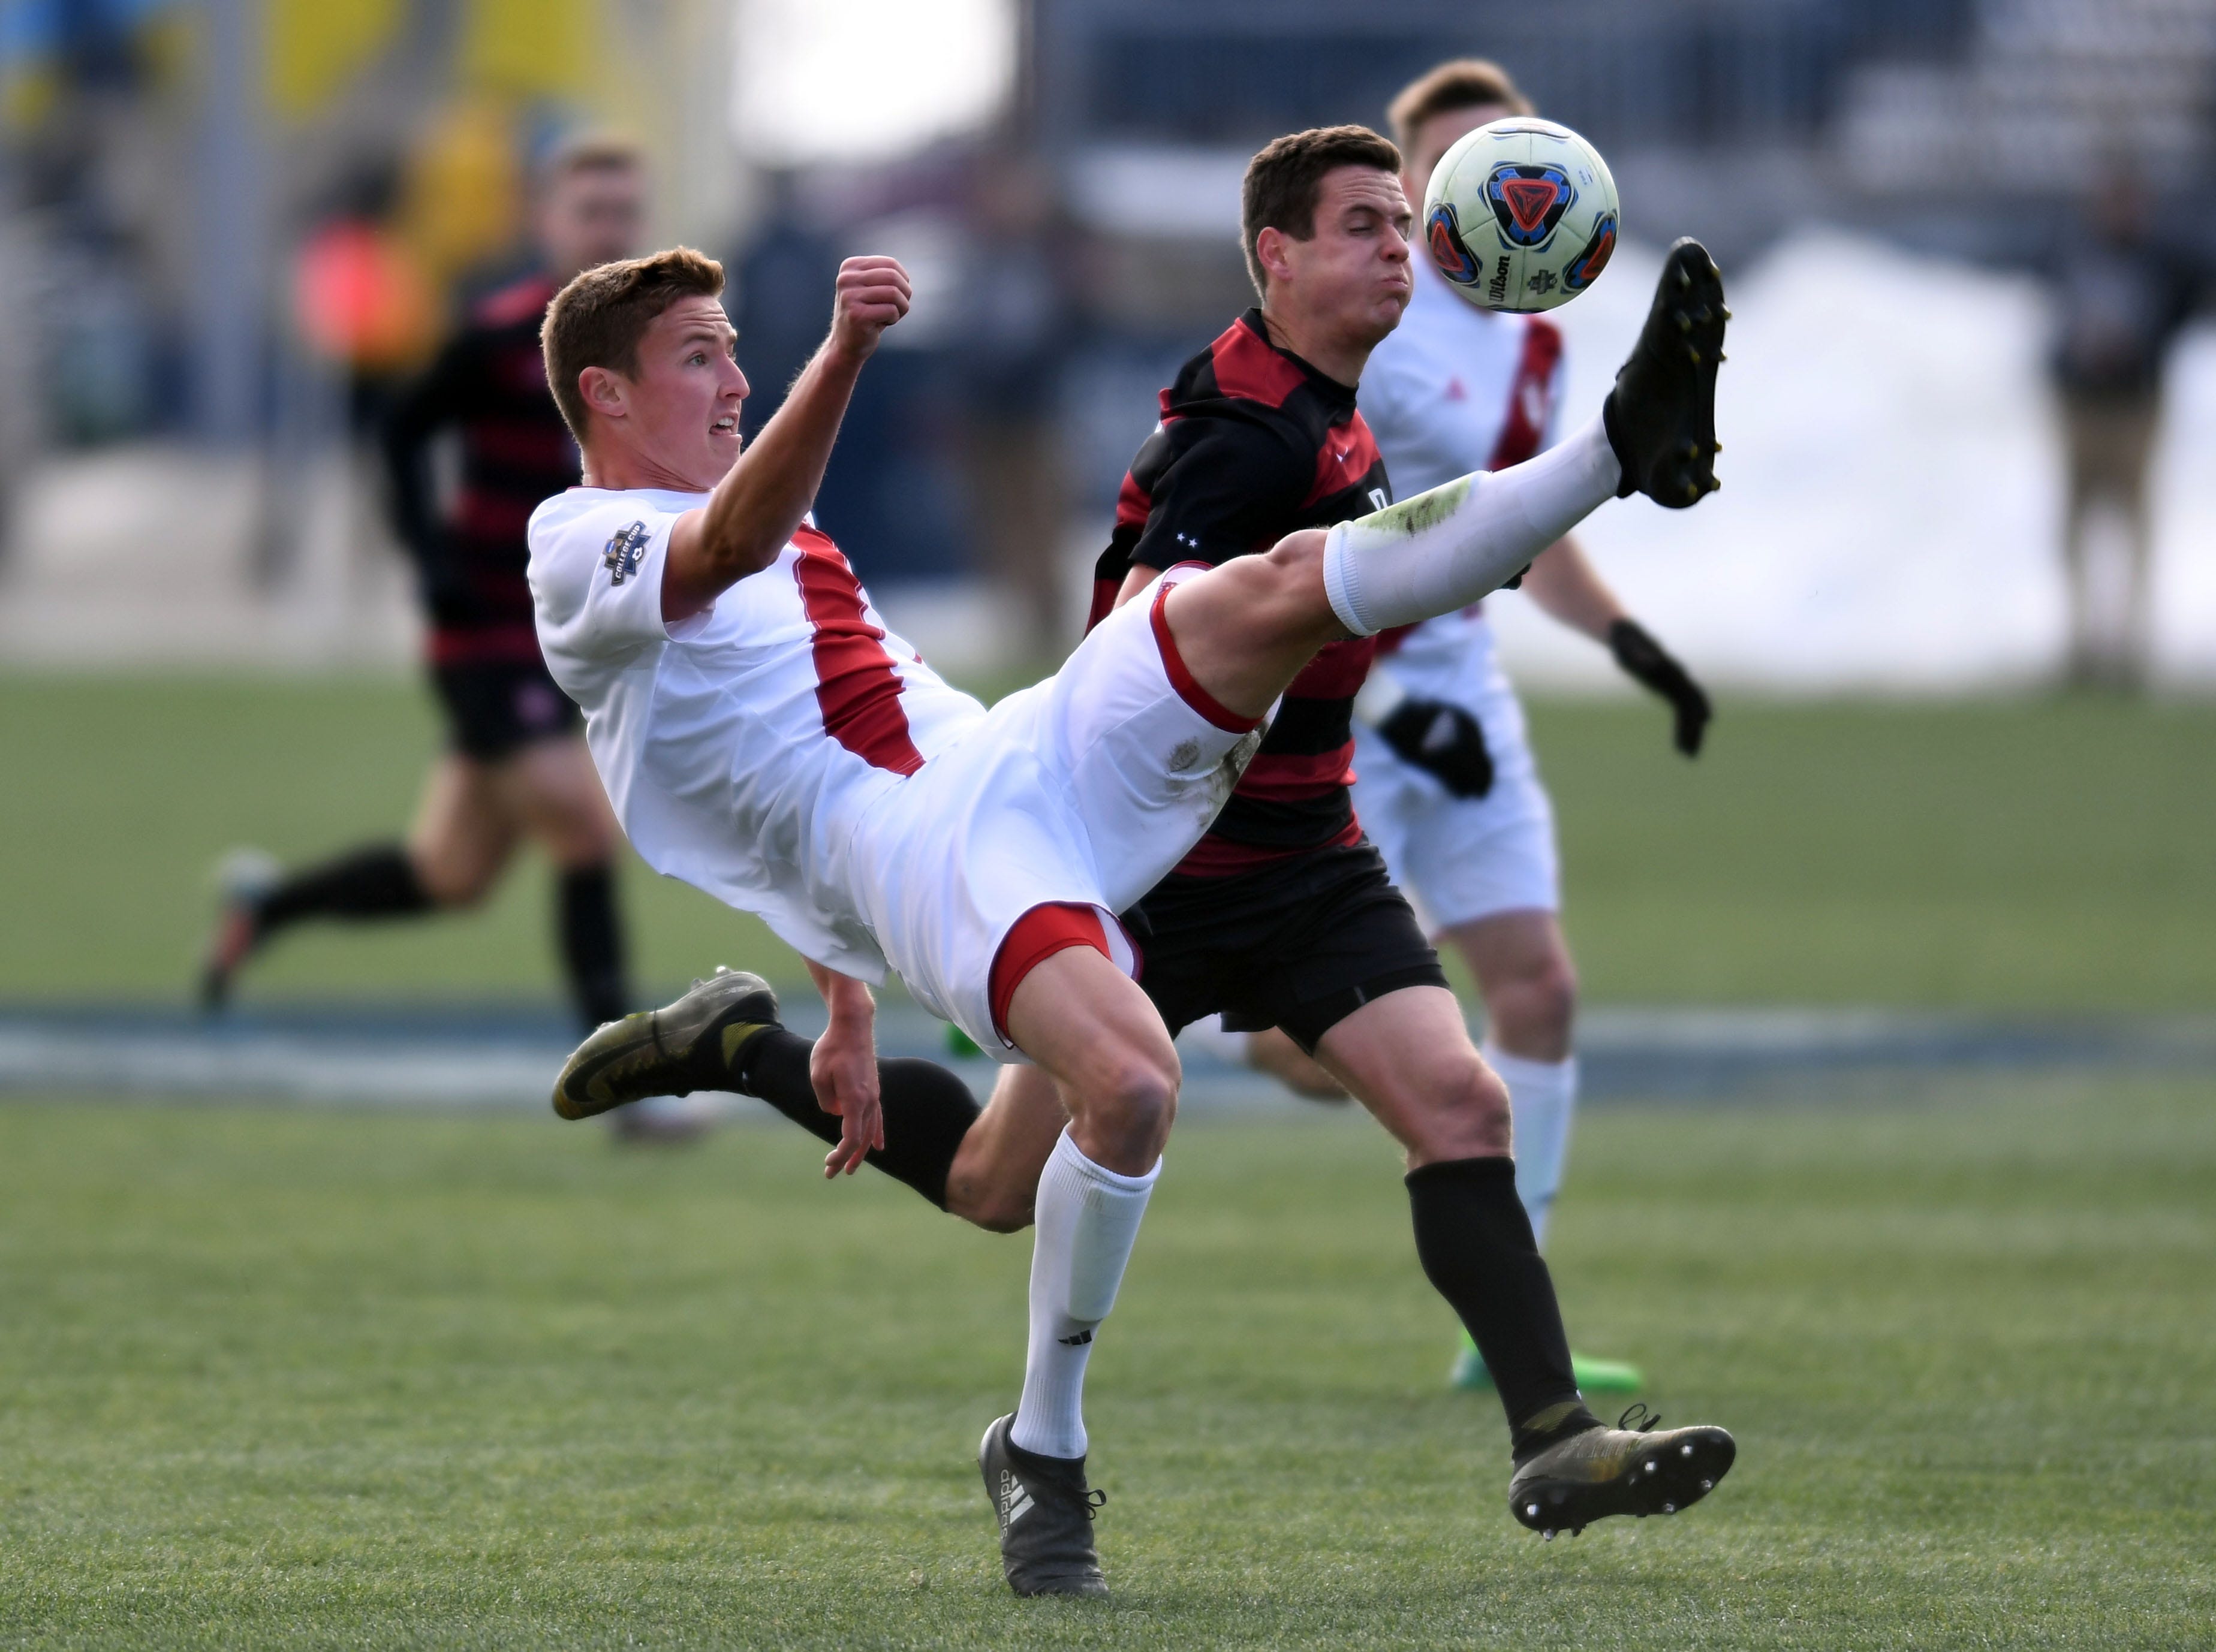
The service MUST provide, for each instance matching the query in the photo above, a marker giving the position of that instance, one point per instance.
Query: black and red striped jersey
(1255, 443)
(489, 385)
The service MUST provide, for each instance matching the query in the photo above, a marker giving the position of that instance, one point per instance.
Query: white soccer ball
(1520, 215)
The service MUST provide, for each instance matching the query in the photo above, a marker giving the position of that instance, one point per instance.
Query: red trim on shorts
(1188, 688)
(1034, 938)
(858, 689)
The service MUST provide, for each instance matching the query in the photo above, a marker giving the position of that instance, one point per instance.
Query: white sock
(1445, 549)
(1087, 1218)
(1542, 1096)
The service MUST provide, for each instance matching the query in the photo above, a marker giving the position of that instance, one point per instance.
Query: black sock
(370, 883)
(1476, 1244)
(928, 1109)
(591, 944)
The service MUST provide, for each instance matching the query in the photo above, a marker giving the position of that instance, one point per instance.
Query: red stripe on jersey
(1348, 454)
(856, 689)
(509, 643)
(1336, 672)
(1220, 857)
(1530, 395)
(517, 301)
(1134, 504)
(1187, 687)
(1290, 778)
(480, 513)
(1245, 366)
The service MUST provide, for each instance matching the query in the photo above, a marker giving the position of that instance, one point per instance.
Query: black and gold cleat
(1644, 1470)
(690, 1045)
(1661, 416)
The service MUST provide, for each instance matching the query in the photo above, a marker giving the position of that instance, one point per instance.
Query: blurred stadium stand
(174, 172)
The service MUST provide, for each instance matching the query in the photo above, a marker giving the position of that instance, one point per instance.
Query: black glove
(1641, 655)
(1445, 741)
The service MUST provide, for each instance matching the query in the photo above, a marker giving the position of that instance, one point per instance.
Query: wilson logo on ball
(1528, 201)
(1447, 252)
(1583, 270)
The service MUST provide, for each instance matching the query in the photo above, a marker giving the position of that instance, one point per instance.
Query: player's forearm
(756, 508)
(1570, 590)
(849, 1001)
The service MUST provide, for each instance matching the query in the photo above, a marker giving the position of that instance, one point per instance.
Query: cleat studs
(1684, 323)
(1652, 1465)
(1531, 1510)
(1548, 1534)
(1669, 1508)
(1685, 1450)
(1708, 1485)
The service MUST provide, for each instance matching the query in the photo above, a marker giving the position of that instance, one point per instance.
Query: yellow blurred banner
(532, 49)
(315, 48)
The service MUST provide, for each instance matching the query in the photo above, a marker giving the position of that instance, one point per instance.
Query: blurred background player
(1446, 787)
(2121, 298)
(515, 765)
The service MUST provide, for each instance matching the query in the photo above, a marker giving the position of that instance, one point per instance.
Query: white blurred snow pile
(1891, 493)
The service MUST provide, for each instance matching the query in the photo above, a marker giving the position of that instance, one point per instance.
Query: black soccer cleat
(1661, 416)
(677, 1049)
(1045, 1511)
(1603, 1472)
(245, 881)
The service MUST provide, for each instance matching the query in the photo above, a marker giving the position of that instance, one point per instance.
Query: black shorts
(495, 708)
(1299, 944)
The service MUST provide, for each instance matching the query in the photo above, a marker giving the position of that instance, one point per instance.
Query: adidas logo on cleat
(1014, 1500)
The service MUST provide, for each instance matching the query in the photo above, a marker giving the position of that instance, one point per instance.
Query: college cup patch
(625, 546)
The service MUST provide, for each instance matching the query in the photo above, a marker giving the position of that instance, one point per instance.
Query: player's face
(1436, 137)
(594, 215)
(683, 407)
(1352, 273)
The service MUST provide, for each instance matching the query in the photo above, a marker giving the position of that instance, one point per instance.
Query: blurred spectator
(1013, 341)
(2123, 295)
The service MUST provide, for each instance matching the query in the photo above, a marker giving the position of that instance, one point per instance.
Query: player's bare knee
(1532, 1014)
(996, 1210)
(1467, 1116)
(1122, 1113)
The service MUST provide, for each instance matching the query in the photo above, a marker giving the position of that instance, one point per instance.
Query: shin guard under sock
(1475, 1242)
(1088, 1219)
(591, 944)
(928, 1109)
(370, 883)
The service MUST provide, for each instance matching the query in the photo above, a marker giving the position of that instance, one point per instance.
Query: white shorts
(1461, 859)
(1084, 789)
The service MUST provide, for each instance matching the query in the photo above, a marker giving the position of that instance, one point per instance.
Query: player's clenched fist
(873, 292)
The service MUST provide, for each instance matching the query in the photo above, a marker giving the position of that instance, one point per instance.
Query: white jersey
(741, 758)
(789, 755)
(1455, 388)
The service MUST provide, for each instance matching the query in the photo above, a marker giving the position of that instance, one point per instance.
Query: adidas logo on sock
(1015, 1500)
(1078, 1341)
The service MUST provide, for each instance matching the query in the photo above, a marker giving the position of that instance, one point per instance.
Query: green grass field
(2035, 856)
(298, 1378)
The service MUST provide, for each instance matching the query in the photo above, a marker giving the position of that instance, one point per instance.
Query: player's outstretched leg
(724, 1034)
(1632, 1469)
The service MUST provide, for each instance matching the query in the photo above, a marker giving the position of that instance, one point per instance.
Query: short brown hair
(1464, 84)
(598, 319)
(1280, 188)
(591, 151)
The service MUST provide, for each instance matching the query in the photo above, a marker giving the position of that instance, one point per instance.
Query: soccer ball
(1520, 215)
